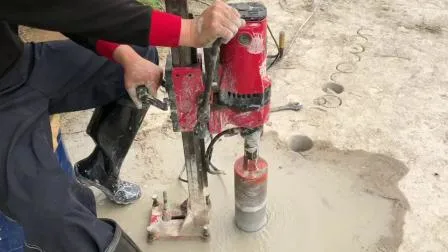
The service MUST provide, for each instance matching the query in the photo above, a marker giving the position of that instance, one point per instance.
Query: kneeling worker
(109, 53)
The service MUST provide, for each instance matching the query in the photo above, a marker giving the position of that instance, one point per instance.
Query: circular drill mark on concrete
(346, 67)
(333, 87)
(300, 143)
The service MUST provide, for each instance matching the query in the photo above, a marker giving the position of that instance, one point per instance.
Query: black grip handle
(147, 99)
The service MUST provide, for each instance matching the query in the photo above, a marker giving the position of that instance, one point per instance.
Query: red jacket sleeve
(106, 48)
(165, 31)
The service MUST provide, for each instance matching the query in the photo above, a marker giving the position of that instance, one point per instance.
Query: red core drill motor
(245, 90)
(227, 85)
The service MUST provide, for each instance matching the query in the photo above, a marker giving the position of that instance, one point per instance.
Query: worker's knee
(57, 216)
(54, 228)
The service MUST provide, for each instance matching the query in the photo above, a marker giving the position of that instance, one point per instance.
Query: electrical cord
(302, 26)
(209, 153)
(277, 56)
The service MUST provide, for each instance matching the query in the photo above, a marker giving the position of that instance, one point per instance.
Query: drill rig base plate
(177, 224)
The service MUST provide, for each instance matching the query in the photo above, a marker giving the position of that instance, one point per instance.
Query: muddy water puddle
(321, 199)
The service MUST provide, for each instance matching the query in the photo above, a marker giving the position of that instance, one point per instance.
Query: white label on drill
(257, 44)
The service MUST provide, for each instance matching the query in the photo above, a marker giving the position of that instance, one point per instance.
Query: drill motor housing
(242, 97)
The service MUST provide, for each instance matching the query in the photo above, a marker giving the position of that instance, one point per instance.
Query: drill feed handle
(147, 99)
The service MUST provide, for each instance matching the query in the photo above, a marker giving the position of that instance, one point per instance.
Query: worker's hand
(138, 71)
(217, 21)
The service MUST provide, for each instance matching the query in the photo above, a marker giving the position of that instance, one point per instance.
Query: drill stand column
(189, 219)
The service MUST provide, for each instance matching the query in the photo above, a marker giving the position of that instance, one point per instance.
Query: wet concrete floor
(320, 199)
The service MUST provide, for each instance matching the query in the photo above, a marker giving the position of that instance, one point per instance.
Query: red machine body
(243, 61)
(241, 98)
(188, 87)
(244, 89)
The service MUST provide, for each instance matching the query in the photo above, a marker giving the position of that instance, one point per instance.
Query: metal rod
(211, 58)
(182, 56)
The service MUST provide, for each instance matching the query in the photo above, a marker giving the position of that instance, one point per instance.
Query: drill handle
(211, 59)
(147, 99)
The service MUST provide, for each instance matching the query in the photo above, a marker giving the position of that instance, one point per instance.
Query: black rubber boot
(121, 242)
(113, 128)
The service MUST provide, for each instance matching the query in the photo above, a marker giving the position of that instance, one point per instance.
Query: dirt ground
(373, 79)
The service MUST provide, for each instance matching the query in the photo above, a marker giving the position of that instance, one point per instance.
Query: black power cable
(209, 153)
(276, 56)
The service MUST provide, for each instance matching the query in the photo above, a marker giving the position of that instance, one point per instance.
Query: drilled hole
(300, 143)
(333, 87)
(346, 67)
